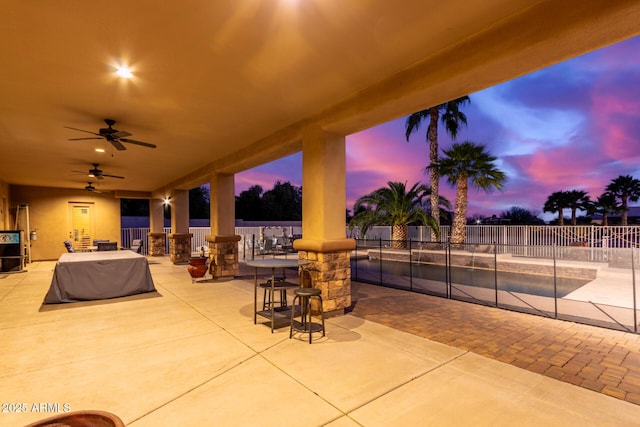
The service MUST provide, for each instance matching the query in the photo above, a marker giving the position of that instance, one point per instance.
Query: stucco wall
(49, 215)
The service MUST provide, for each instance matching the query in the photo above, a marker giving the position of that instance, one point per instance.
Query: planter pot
(197, 267)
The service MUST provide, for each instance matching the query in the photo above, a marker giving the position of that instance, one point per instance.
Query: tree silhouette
(395, 206)
(465, 164)
(625, 188)
(282, 203)
(557, 202)
(452, 118)
(199, 205)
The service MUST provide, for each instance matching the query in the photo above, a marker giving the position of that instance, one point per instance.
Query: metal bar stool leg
(293, 314)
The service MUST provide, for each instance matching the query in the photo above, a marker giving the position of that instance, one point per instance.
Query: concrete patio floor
(190, 355)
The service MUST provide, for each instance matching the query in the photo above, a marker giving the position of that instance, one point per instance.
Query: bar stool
(304, 296)
(279, 285)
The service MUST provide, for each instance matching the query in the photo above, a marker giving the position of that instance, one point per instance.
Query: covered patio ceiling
(228, 84)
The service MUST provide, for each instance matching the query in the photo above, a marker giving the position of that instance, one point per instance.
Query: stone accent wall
(223, 255)
(156, 244)
(180, 247)
(331, 273)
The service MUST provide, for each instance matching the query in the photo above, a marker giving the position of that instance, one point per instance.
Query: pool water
(532, 284)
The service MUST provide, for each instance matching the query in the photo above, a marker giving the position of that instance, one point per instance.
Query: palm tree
(557, 202)
(577, 199)
(606, 204)
(451, 118)
(624, 188)
(467, 163)
(394, 206)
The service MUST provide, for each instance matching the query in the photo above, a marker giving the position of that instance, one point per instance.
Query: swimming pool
(532, 284)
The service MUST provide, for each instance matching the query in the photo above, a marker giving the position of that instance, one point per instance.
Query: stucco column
(156, 236)
(156, 215)
(179, 211)
(324, 243)
(180, 239)
(223, 241)
(223, 204)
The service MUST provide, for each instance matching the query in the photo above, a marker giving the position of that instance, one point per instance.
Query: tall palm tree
(452, 118)
(464, 164)
(395, 206)
(557, 202)
(625, 188)
(606, 204)
(577, 199)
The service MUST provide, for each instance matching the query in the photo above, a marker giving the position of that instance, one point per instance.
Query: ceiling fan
(98, 173)
(114, 136)
(92, 189)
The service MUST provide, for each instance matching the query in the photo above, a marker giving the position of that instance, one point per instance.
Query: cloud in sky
(575, 125)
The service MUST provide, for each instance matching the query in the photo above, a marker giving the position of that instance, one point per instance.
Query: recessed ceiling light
(99, 150)
(124, 72)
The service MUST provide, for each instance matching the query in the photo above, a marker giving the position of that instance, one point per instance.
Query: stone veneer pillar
(180, 247)
(330, 270)
(223, 255)
(157, 244)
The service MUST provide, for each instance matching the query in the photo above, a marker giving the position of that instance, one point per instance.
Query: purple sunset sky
(575, 125)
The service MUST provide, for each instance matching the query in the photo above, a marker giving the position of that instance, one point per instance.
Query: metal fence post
(447, 268)
(555, 284)
(355, 263)
(633, 281)
(380, 263)
(495, 269)
(410, 268)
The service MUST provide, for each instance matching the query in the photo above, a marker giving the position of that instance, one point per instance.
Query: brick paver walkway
(599, 359)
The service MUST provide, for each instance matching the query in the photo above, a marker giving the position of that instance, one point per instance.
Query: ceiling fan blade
(111, 176)
(98, 176)
(82, 130)
(80, 139)
(120, 134)
(117, 144)
(133, 141)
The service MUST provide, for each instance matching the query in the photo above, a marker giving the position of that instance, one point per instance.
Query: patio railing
(583, 274)
(522, 240)
(595, 286)
(249, 245)
(532, 235)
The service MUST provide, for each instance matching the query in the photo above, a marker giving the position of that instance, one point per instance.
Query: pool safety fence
(590, 285)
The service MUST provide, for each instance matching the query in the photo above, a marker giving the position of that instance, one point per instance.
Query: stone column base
(223, 255)
(180, 247)
(330, 270)
(157, 244)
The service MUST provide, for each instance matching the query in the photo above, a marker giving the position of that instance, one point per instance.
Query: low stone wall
(486, 261)
(623, 258)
